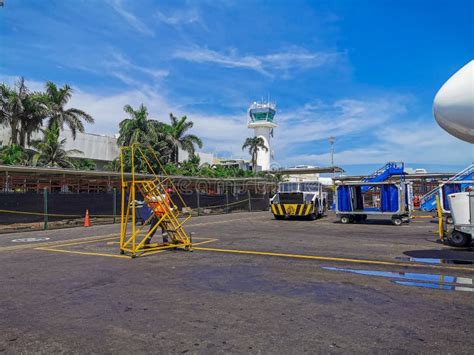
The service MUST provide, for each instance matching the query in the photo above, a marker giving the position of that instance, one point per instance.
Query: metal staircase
(428, 200)
(169, 219)
(153, 190)
(383, 173)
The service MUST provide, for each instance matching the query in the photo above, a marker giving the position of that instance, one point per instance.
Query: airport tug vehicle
(299, 199)
(462, 211)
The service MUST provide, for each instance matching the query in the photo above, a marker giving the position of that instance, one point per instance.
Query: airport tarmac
(252, 284)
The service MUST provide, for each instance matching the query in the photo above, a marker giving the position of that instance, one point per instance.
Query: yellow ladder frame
(132, 239)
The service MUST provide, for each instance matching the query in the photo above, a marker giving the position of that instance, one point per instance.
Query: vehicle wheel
(345, 219)
(397, 221)
(316, 209)
(459, 239)
(312, 216)
(279, 217)
(449, 220)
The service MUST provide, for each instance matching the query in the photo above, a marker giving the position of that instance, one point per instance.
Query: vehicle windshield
(302, 186)
(289, 187)
(309, 186)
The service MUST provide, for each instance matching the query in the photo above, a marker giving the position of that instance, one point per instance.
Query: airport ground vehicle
(447, 189)
(299, 199)
(356, 201)
(462, 211)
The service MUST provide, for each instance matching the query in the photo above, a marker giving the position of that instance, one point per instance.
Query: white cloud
(294, 58)
(416, 142)
(317, 121)
(376, 121)
(132, 20)
(181, 17)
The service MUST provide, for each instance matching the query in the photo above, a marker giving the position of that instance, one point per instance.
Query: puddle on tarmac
(436, 261)
(435, 286)
(435, 281)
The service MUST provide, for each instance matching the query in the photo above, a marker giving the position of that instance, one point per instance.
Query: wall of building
(100, 148)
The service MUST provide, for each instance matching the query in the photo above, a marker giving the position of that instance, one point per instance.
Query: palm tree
(31, 120)
(138, 128)
(50, 150)
(57, 99)
(12, 102)
(254, 144)
(179, 139)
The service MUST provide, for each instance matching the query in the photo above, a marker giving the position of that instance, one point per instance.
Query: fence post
(115, 203)
(250, 200)
(198, 202)
(226, 201)
(45, 208)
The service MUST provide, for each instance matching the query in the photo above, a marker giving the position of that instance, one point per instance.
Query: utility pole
(331, 140)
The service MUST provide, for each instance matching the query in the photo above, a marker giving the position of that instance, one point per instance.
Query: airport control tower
(261, 121)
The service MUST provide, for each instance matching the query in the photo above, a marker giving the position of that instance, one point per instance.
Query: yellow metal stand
(152, 191)
(440, 219)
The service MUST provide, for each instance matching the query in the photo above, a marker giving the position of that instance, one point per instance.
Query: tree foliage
(50, 150)
(254, 144)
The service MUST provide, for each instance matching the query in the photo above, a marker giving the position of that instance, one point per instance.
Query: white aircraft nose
(453, 105)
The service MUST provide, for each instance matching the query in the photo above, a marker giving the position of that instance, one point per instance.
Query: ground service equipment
(428, 201)
(462, 210)
(154, 191)
(299, 199)
(384, 173)
(355, 201)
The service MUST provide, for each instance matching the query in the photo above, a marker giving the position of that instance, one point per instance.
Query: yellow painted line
(218, 222)
(328, 258)
(84, 242)
(83, 253)
(55, 249)
(56, 243)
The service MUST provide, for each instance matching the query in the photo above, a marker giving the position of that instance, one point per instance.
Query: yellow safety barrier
(54, 214)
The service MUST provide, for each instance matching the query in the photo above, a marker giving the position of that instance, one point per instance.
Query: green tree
(14, 155)
(21, 110)
(176, 135)
(84, 164)
(254, 144)
(57, 99)
(138, 128)
(50, 150)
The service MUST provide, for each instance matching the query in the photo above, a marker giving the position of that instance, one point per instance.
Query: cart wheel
(449, 220)
(312, 216)
(279, 217)
(345, 219)
(397, 221)
(459, 239)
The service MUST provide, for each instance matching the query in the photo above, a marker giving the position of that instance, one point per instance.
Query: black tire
(459, 239)
(345, 219)
(278, 217)
(449, 220)
(397, 221)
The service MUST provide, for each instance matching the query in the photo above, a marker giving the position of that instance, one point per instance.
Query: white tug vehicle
(299, 199)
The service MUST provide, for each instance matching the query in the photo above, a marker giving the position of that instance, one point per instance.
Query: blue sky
(363, 71)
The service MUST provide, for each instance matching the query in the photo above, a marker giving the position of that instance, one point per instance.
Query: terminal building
(101, 149)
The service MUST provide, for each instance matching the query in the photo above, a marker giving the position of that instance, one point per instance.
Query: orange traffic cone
(87, 221)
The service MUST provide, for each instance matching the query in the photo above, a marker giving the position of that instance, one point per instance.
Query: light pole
(331, 140)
